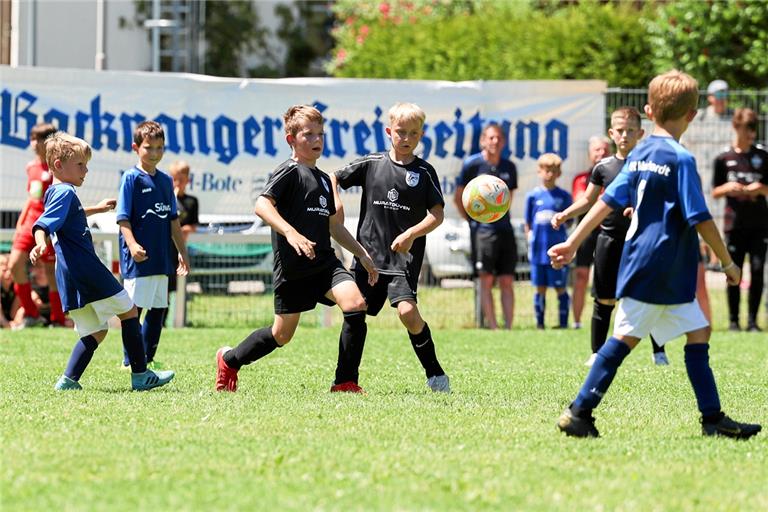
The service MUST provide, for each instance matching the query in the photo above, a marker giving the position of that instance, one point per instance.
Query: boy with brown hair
(90, 293)
(657, 275)
(298, 203)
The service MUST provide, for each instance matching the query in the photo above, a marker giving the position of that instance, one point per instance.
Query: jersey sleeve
(353, 174)
(281, 184)
(720, 175)
(512, 183)
(171, 198)
(466, 174)
(617, 194)
(529, 203)
(596, 177)
(125, 197)
(434, 193)
(57, 204)
(193, 213)
(691, 197)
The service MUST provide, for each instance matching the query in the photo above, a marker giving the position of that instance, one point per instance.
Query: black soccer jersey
(303, 197)
(395, 197)
(603, 173)
(747, 213)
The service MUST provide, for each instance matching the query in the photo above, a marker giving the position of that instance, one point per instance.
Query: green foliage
(492, 41)
(305, 35)
(282, 442)
(714, 39)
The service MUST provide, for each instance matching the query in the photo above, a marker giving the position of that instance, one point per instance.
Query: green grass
(282, 442)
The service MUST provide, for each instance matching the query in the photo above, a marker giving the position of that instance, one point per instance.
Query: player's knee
(282, 337)
(99, 336)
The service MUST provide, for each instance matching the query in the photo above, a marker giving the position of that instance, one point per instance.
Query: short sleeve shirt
(80, 276)
(541, 204)
(603, 173)
(39, 178)
(304, 198)
(475, 166)
(395, 197)
(748, 213)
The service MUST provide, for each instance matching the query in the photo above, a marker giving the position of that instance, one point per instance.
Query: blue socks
(563, 304)
(133, 345)
(81, 355)
(539, 304)
(151, 329)
(609, 357)
(702, 379)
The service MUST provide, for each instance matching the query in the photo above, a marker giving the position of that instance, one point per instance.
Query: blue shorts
(545, 275)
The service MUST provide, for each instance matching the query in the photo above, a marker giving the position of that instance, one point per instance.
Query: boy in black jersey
(401, 203)
(298, 203)
(741, 176)
(625, 132)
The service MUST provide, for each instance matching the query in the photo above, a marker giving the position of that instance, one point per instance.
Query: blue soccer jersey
(81, 277)
(149, 204)
(660, 257)
(541, 204)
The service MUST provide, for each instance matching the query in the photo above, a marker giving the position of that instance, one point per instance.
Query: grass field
(284, 443)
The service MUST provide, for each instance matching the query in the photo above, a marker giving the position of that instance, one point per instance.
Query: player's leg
(17, 262)
(507, 290)
(580, 281)
(345, 293)
(506, 264)
(737, 249)
(702, 294)
(486, 299)
(757, 252)
(92, 332)
(558, 279)
(155, 293)
(142, 378)
(539, 281)
(49, 265)
(607, 258)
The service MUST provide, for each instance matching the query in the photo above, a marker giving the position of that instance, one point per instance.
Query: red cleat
(226, 377)
(347, 387)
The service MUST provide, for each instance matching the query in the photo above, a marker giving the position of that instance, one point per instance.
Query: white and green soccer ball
(486, 198)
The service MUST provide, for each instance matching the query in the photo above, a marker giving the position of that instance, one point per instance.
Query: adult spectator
(599, 148)
(741, 176)
(494, 249)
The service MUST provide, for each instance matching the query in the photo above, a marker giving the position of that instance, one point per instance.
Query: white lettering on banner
(231, 131)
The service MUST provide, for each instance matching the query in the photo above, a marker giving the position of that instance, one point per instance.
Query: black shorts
(586, 253)
(395, 288)
(303, 294)
(495, 252)
(607, 258)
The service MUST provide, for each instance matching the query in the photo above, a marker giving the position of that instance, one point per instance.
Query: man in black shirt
(401, 203)
(298, 203)
(741, 176)
(625, 132)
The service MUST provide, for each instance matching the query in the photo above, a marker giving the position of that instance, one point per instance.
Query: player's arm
(722, 187)
(709, 233)
(341, 234)
(562, 254)
(265, 209)
(460, 205)
(138, 253)
(181, 247)
(756, 189)
(41, 243)
(403, 242)
(102, 206)
(581, 205)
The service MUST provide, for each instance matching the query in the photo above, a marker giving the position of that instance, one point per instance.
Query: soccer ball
(485, 198)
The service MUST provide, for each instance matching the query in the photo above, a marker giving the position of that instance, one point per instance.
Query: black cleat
(753, 327)
(734, 327)
(576, 426)
(729, 428)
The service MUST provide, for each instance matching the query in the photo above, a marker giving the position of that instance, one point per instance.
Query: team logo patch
(392, 195)
(323, 200)
(756, 161)
(411, 178)
(327, 189)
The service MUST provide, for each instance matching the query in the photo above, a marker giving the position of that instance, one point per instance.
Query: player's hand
(373, 274)
(107, 204)
(402, 243)
(732, 274)
(561, 254)
(138, 253)
(36, 252)
(753, 189)
(557, 220)
(734, 188)
(302, 245)
(183, 268)
(628, 212)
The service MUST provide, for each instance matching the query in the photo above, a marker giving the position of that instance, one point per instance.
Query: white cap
(717, 86)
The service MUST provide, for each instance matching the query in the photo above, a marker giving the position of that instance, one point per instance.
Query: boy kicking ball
(657, 276)
(88, 290)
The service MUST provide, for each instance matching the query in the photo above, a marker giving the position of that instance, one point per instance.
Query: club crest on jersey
(756, 161)
(411, 178)
(392, 195)
(323, 200)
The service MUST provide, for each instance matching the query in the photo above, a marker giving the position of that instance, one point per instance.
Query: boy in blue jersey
(89, 292)
(541, 204)
(148, 219)
(657, 274)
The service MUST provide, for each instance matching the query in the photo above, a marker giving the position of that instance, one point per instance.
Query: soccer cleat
(540, 326)
(439, 384)
(347, 387)
(576, 325)
(734, 326)
(575, 426)
(150, 379)
(753, 327)
(66, 384)
(589, 362)
(226, 377)
(730, 428)
(660, 359)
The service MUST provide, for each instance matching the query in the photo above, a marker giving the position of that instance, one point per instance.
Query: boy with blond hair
(149, 220)
(401, 203)
(625, 131)
(89, 292)
(657, 274)
(298, 203)
(541, 205)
